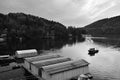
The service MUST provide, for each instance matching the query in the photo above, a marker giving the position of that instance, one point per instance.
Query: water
(104, 65)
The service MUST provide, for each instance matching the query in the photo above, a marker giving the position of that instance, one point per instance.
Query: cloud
(70, 9)
(69, 12)
(79, 22)
(94, 8)
(100, 11)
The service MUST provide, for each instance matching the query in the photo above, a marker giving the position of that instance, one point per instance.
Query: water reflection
(91, 54)
(103, 65)
(108, 41)
(43, 44)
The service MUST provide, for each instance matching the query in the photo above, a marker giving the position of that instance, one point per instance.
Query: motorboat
(93, 51)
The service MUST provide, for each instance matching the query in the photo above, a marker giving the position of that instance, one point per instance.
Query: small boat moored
(93, 51)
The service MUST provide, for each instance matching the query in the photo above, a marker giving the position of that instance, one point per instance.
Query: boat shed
(36, 66)
(26, 53)
(65, 70)
(28, 61)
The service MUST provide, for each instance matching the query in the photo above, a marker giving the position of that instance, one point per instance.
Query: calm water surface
(105, 65)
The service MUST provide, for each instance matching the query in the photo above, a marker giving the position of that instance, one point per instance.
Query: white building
(26, 53)
(65, 70)
(59, 71)
(36, 66)
(28, 61)
(55, 67)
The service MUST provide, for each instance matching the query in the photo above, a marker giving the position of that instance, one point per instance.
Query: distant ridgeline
(24, 27)
(108, 27)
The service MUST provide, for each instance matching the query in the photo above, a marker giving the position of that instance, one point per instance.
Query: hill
(108, 27)
(23, 27)
(25, 31)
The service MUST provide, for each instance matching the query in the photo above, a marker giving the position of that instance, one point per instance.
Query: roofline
(52, 63)
(65, 70)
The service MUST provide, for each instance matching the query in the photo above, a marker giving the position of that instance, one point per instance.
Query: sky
(78, 13)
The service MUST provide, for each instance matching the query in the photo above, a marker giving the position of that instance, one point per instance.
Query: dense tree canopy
(20, 26)
(109, 27)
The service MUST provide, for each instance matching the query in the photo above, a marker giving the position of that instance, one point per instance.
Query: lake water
(105, 65)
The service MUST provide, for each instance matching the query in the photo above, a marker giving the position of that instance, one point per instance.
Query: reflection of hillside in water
(108, 41)
(43, 44)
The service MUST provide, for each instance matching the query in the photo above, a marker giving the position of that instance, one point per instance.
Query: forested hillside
(20, 26)
(24, 31)
(109, 27)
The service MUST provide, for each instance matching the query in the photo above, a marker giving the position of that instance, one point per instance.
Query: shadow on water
(42, 44)
(108, 42)
(91, 54)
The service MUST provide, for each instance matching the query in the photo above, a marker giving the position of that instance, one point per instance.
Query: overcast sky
(68, 12)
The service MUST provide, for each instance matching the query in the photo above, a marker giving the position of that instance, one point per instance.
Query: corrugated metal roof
(26, 51)
(61, 67)
(42, 57)
(50, 61)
